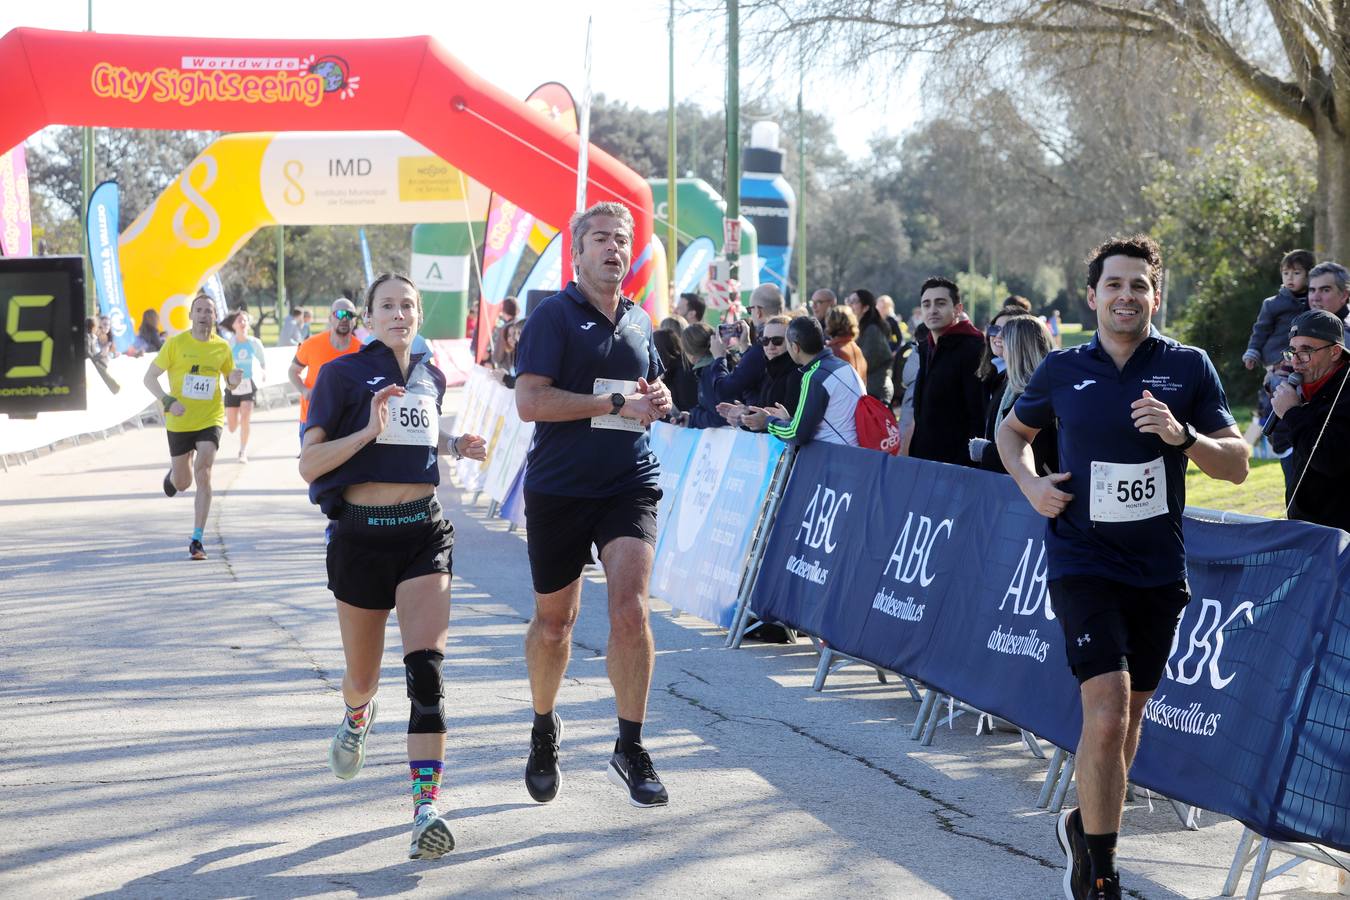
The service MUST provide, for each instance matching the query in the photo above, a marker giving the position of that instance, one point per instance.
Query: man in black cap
(1317, 414)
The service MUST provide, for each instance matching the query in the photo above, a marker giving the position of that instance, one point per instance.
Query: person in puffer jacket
(1270, 331)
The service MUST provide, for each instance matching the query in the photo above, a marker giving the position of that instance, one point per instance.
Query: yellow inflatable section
(244, 182)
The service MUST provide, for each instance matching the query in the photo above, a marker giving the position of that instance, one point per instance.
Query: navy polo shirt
(1082, 390)
(340, 405)
(571, 342)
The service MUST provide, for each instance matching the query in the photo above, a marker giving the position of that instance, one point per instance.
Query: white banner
(366, 178)
(434, 272)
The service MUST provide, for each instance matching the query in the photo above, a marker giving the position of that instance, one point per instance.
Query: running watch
(1191, 437)
(168, 402)
(617, 400)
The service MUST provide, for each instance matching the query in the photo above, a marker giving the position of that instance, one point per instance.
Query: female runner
(370, 456)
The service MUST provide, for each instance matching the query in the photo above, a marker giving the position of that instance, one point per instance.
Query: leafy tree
(1224, 225)
(1290, 54)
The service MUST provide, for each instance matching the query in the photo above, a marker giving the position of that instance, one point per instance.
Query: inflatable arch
(243, 182)
(412, 85)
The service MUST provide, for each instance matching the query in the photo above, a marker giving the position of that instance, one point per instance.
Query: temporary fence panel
(709, 519)
(939, 572)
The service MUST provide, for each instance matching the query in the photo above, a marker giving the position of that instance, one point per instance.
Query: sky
(518, 45)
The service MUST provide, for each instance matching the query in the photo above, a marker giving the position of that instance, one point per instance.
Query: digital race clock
(41, 334)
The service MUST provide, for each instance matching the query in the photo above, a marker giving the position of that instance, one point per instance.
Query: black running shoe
(542, 775)
(196, 550)
(1077, 866)
(1105, 889)
(631, 769)
(169, 489)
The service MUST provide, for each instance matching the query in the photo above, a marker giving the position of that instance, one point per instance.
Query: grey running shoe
(196, 550)
(347, 752)
(431, 837)
(1077, 867)
(169, 489)
(631, 769)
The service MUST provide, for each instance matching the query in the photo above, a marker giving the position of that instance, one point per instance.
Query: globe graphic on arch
(333, 71)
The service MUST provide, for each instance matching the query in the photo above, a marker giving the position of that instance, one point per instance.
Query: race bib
(199, 387)
(245, 386)
(613, 421)
(412, 421)
(1128, 493)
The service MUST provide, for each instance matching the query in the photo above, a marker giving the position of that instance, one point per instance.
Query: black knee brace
(425, 689)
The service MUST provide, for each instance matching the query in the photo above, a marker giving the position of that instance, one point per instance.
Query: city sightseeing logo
(229, 79)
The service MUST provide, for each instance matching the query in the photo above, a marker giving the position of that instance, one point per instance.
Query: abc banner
(714, 484)
(946, 581)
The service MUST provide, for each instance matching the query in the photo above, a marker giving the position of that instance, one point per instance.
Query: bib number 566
(1137, 490)
(413, 417)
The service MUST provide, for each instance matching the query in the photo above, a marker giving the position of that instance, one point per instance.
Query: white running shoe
(243, 457)
(347, 752)
(431, 837)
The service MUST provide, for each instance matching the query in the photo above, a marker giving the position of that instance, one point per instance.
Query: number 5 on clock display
(42, 355)
(17, 304)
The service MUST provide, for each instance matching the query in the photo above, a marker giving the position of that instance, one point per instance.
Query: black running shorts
(373, 549)
(1114, 627)
(181, 442)
(561, 530)
(233, 400)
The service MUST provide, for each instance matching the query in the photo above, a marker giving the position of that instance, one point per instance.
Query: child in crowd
(1270, 331)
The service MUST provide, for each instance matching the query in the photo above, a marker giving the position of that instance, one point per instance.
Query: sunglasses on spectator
(994, 331)
(771, 341)
(343, 314)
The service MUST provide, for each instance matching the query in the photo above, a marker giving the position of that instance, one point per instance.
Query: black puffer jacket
(1323, 496)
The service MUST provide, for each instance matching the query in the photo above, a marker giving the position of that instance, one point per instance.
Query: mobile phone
(728, 330)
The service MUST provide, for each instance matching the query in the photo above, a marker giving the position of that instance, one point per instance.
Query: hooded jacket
(949, 397)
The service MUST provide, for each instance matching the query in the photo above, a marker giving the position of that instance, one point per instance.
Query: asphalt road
(165, 725)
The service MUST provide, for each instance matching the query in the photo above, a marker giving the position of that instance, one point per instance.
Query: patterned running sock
(356, 716)
(197, 534)
(426, 782)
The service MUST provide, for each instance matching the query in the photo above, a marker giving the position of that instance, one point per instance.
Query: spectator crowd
(807, 373)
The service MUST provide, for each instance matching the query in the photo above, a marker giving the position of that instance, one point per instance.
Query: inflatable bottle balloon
(769, 202)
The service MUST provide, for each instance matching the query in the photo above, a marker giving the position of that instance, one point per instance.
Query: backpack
(877, 428)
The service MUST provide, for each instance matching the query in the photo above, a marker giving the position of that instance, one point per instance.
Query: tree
(1225, 223)
(1291, 54)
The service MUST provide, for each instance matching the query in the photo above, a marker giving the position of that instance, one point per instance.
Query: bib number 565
(1137, 490)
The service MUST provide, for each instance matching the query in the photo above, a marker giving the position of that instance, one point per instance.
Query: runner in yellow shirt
(194, 407)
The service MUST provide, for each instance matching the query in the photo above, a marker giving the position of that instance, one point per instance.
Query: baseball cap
(1318, 324)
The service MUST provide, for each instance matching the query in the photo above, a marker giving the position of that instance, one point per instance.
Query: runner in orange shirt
(313, 352)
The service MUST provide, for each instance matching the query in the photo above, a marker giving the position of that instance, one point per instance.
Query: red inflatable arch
(408, 84)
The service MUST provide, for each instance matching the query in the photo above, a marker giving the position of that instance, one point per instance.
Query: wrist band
(168, 402)
(454, 446)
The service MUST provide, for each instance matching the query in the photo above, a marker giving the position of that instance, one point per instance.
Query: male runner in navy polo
(1132, 406)
(587, 374)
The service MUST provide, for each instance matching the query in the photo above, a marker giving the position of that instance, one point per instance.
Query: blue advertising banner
(715, 481)
(692, 267)
(102, 226)
(946, 582)
(365, 257)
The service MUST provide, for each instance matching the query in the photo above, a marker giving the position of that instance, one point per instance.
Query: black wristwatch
(1191, 437)
(618, 401)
